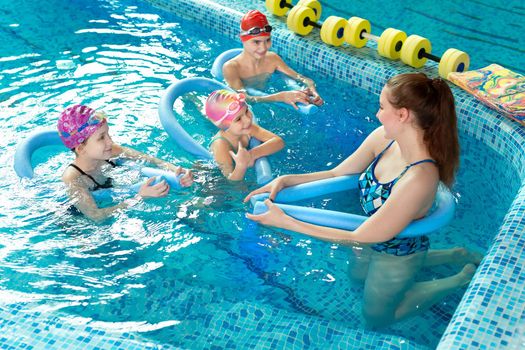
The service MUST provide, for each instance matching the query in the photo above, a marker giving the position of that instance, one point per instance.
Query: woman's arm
(354, 164)
(411, 199)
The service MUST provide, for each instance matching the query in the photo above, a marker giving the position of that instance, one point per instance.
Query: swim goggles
(94, 119)
(233, 108)
(257, 30)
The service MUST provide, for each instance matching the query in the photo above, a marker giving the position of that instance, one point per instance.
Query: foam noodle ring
(354, 30)
(441, 215)
(390, 43)
(332, 31)
(416, 50)
(301, 20)
(278, 7)
(453, 60)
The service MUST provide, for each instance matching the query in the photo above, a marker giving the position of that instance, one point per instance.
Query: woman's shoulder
(376, 141)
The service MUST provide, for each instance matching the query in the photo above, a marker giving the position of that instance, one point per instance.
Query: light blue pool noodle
(262, 166)
(24, 168)
(441, 215)
(216, 72)
(168, 119)
(311, 189)
(26, 148)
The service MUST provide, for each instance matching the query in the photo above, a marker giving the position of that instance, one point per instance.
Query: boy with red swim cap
(256, 64)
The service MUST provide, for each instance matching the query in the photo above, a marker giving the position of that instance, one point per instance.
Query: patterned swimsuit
(373, 195)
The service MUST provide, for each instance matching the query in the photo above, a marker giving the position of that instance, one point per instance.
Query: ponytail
(432, 102)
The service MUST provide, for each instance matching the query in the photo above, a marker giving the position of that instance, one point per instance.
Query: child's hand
(314, 96)
(187, 179)
(153, 191)
(243, 158)
(294, 97)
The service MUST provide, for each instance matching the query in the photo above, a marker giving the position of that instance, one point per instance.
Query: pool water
(189, 270)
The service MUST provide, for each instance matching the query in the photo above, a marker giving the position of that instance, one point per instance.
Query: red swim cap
(253, 19)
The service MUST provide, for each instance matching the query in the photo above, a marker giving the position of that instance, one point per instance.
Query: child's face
(242, 122)
(258, 46)
(99, 144)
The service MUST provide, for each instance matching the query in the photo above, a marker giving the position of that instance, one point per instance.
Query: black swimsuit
(107, 184)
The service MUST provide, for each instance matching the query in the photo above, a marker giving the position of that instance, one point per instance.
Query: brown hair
(433, 104)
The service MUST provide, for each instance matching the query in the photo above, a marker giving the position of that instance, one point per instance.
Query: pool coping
(491, 313)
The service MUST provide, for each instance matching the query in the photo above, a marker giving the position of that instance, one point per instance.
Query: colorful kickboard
(497, 87)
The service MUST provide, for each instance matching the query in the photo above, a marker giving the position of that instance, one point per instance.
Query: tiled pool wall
(492, 312)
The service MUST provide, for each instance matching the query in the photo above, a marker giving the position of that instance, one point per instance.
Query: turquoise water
(187, 270)
(489, 31)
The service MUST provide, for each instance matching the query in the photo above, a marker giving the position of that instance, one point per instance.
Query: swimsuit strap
(112, 163)
(215, 138)
(107, 184)
(86, 174)
(384, 150)
(415, 163)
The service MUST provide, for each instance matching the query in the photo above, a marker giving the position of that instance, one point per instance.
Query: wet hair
(433, 104)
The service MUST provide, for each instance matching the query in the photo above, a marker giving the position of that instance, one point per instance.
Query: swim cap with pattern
(77, 123)
(222, 107)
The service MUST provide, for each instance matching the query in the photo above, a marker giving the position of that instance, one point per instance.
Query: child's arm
(225, 157)
(271, 143)
(282, 67)
(231, 75)
(130, 153)
(84, 202)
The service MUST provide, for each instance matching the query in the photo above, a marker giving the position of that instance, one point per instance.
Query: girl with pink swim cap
(256, 62)
(228, 111)
(86, 132)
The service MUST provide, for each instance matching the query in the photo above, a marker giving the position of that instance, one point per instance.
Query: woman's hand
(273, 187)
(273, 217)
(294, 97)
(153, 191)
(243, 158)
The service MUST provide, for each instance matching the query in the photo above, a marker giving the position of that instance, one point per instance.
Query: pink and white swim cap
(77, 123)
(222, 107)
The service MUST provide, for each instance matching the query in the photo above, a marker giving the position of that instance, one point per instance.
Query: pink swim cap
(77, 123)
(222, 107)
